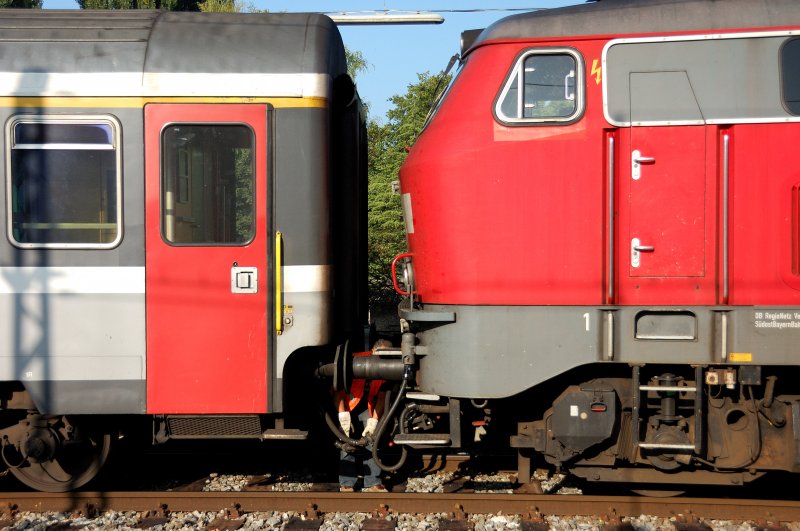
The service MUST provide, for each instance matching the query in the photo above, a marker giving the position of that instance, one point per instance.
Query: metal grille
(215, 427)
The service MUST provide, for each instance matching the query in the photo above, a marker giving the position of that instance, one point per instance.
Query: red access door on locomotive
(662, 246)
(206, 258)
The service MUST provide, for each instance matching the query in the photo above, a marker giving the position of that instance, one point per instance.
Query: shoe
(345, 488)
(375, 488)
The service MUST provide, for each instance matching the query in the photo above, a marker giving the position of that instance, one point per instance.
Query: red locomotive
(603, 218)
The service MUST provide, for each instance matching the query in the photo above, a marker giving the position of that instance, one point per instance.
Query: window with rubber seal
(208, 184)
(63, 183)
(542, 87)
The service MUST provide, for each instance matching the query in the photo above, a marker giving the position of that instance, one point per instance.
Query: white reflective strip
(283, 85)
(89, 84)
(136, 84)
(305, 279)
(408, 213)
(32, 280)
(297, 279)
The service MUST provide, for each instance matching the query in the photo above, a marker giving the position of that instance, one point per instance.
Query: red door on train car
(667, 202)
(664, 240)
(206, 258)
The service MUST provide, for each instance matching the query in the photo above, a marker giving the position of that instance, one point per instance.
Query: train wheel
(58, 455)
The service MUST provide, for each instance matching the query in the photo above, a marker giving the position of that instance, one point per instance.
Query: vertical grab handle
(726, 140)
(278, 282)
(611, 234)
(567, 95)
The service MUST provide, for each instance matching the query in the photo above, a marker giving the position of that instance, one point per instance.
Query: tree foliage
(356, 62)
(227, 6)
(167, 5)
(25, 4)
(388, 144)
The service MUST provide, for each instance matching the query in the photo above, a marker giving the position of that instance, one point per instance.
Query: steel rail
(324, 502)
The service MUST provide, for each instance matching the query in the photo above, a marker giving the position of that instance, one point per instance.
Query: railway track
(311, 506)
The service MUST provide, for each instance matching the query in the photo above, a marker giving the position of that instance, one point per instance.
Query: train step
(285, 434)
(438, 439)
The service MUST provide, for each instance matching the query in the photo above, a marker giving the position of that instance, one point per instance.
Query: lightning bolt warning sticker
(596, 70)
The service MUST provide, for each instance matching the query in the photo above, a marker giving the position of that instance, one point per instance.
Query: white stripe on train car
(306, 278)
(31, 280)
(65, 280)
(121, 84)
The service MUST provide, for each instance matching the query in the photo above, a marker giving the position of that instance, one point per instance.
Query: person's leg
(371, 470)
(348, 470)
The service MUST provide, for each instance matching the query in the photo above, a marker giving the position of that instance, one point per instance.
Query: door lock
(244, 279)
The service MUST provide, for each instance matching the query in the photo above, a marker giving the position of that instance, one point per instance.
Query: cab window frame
(512, 78)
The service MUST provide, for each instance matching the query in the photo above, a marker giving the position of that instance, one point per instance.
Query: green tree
(26, 4)
(167, 5)
(227, 6)
(356, 63)
(387, 150)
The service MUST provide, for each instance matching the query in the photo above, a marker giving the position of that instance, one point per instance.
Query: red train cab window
(544, 86)
(208, 184)
(63, 182)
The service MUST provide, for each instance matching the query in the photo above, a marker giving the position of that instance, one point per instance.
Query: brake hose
(382, 427)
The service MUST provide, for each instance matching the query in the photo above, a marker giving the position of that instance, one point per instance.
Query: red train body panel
(525, 219)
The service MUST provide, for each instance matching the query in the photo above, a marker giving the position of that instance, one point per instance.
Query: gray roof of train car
(166, 42)
(622, 17)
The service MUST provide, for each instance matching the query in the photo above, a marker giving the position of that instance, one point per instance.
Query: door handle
(636, 249)
(636, 163)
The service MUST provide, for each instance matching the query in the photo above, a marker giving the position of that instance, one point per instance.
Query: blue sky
(396, 53)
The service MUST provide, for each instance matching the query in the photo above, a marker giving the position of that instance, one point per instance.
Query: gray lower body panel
(500, 351)
(76, 352)
(97, 397)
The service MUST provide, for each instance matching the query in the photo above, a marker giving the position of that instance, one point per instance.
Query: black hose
(339, 434)
(382, 427)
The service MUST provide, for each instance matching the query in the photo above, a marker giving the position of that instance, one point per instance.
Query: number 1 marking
(586, 316)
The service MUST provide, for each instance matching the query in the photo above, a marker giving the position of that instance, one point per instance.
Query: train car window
(790, 75)
(697, 79)
(208, 184)
(544, 86)
(63, 182)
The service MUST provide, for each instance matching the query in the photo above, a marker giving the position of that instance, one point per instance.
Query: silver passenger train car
(184, 227)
